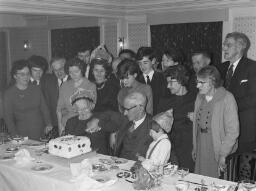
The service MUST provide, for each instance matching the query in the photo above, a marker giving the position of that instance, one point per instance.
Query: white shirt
(137, 123)
(150, 75)
(64, 79)
(32, 80)
(234, 65)
(161, 152)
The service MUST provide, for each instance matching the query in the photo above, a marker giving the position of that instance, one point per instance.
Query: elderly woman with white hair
(96, 126)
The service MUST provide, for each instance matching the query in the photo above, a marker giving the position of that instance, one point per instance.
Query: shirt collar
(150, 74)
(64, 79)
(235, 64)
(163, 136)
(140, 121)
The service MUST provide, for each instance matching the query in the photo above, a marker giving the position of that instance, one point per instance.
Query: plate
(33, 144)
(6, 157)
(119, 160)
(124, 174)
(101, 179)
(12, 149)
(42, 167)
(106, 161)
(99, 167)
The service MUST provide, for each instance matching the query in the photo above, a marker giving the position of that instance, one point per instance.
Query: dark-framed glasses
(200, 82)
(128, 109)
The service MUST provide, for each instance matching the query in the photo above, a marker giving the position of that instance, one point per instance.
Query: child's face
(146, 65)
(153, 134)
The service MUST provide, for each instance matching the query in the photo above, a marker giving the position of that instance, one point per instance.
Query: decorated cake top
(71, 139)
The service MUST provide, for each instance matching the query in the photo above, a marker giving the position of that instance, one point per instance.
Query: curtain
(188, 37)
(67, 42)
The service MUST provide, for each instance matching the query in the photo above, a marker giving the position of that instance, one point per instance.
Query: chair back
(241, 166)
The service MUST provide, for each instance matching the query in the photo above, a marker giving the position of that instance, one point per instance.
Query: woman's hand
(193, 154)
(61, 130)
(112, 140)
(191, 115)
(141, 158)
(93, 126)
(222, 163)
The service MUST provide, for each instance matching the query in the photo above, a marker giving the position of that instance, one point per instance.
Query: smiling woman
(25, 110)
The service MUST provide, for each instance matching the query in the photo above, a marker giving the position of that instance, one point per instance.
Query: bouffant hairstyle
(179, 73)
(104, 63)
(212, 73)
(127, 67)
(74, 62)
(18, 65)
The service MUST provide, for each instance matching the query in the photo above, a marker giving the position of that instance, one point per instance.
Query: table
(22, 178)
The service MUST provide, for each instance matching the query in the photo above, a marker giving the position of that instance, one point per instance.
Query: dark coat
(159, 87)
(141, 136)
(243, 87)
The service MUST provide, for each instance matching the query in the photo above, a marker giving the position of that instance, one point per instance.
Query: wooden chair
(241, 166)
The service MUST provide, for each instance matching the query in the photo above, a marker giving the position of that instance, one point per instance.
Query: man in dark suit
(133, 138)
(240, 80)
(50, 84)
(146, 58)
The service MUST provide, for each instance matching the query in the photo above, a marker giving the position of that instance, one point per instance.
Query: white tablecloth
(23, 178)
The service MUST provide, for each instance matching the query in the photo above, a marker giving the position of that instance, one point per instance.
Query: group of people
(131, 108)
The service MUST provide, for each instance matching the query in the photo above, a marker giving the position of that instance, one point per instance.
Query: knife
(192, 182)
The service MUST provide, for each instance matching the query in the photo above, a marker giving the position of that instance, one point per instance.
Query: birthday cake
(69, 146)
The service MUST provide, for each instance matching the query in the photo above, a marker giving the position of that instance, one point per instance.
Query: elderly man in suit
(240, 79)
(50, 84)
(133, 138)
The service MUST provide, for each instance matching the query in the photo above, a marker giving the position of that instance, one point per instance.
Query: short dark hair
(212, 73)
(145, 52)
(38, 62)
(127, 67)
(204, 53)
(83, 48)
(74, 62)
(104, 63)
(242, 38)
(155, 126)
(179, 73)
(18, 65)
(176, 55)
(131, 53)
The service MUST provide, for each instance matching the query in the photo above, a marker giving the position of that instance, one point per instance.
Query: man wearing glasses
(133, 139)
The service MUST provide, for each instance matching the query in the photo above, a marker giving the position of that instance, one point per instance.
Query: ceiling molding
(113, 8)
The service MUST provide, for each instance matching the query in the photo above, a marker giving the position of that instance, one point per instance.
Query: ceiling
(112, 8)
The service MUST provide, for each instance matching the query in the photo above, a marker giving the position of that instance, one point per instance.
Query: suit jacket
(50, 89)
(243, 87)
(159, 88)
(143, 138)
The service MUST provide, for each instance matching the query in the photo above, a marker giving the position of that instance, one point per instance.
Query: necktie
(61, 82)
(148, 80)
(229, 76)
(131, 129)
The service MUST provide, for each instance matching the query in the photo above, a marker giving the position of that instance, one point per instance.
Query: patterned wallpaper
(188, 37)
(110, 37)
(66, 42)
(137, 35)
(247, 25)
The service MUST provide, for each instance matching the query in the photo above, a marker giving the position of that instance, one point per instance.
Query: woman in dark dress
(96, 126)
(25, 110)
(106, 88)
(182, 103)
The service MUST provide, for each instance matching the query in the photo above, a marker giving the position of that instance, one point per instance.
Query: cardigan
(224, 123)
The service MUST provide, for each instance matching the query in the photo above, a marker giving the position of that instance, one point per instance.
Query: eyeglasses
(128, 109)
(171, 81)
(21, 74)
(200, 82)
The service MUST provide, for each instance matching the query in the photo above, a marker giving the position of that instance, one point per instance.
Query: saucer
(42, 167)
(119, 160)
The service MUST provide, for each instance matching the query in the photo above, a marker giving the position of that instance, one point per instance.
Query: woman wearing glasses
(182, 102)
(127, 71)
(215, 125)
(25, 110)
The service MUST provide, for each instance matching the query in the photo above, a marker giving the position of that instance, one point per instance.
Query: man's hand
(191, 115)
(93, 126)
(47, 129)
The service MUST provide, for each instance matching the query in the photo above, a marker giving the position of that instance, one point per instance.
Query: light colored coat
(224, 123)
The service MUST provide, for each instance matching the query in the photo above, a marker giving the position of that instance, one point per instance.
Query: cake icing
(69, 146)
